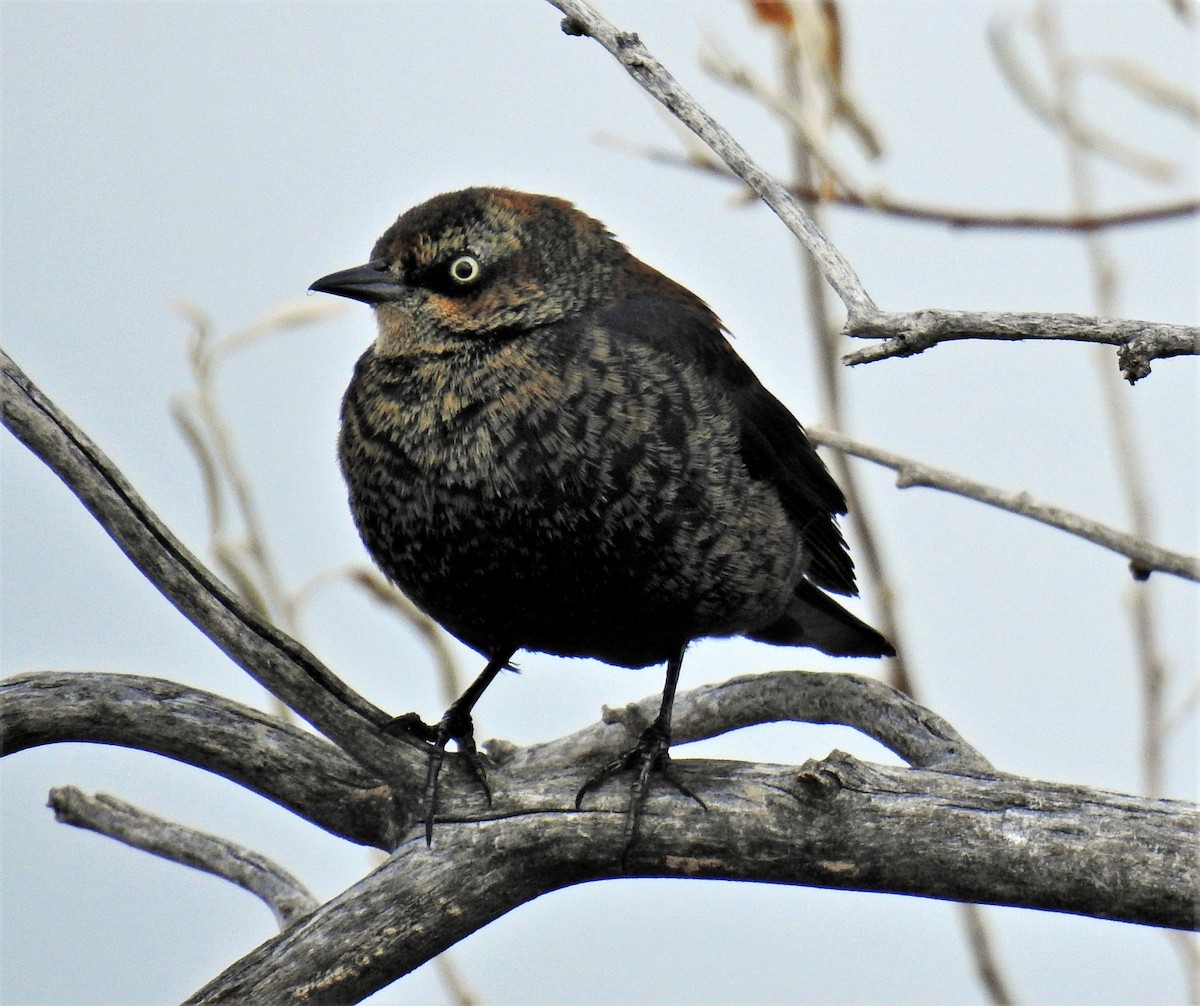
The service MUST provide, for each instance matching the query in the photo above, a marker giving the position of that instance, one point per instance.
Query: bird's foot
(455, 725)
(650, 754)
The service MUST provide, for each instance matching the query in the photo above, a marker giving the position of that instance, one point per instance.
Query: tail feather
(815, 619)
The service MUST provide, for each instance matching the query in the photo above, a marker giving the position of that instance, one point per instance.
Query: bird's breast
(600, 490)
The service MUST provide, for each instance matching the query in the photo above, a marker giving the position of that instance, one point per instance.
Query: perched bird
(552, 446)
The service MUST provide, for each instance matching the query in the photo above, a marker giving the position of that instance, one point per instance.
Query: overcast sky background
(229, 154)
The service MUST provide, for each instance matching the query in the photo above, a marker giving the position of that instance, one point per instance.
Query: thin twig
(1063, 70)
(252, 871)
(1064, 75)
(722, 67)
(1144, 556)
(1142, 81)
(1048, 107)
(987, 966)
(205, 356)
(959, 218)
(391, 598)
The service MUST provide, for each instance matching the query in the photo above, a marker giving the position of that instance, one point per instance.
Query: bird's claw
(457, 726)
(650, 754)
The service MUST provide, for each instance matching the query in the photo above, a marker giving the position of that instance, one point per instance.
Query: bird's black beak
(370, 283)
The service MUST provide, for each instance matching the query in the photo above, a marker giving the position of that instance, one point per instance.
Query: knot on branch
(632, 717)
(574, 26)
(1134, 362)
(817, 780)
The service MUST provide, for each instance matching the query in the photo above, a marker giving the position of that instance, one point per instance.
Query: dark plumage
(552, 446)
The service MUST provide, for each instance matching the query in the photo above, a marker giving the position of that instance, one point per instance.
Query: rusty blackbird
(552, 446)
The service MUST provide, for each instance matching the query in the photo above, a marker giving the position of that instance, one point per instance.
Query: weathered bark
(836, 823)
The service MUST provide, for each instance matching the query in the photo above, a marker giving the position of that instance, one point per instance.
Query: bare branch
(627, 48)
(283, 893)
(987, 967)
(1048, 107)
(293, 767)
(1145, 557)
(909, 333)
(434, 637)
(864, 827)
(919, 736)
(1145, 83)
(888, 205)
(737, 76)
(1001, 840)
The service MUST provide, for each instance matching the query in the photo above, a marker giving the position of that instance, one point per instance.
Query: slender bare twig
(737, 76)
(1064, 73)
(220, 457)
(1143, 82)
(627, 48)
(208, 435)
(452, 980)
(888, 205)
(282, 893)
(983, 953)
(1064, 70)
(391, 598)
(1144, 556)
(1048, 107)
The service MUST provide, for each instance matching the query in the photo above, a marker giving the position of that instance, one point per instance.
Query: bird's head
(481, 263)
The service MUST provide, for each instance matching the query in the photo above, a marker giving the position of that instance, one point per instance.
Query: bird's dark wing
(774, 447)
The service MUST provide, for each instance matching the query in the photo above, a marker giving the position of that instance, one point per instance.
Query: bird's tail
(817, 620)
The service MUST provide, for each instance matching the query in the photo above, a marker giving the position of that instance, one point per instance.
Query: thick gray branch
(909, 333)
(277, 662)
(920, 737)
(582, 19)
(293, 767)
(1145, 556)
(283, 893)
(834, 823)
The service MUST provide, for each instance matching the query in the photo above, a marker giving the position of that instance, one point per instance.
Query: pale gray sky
(229, 154)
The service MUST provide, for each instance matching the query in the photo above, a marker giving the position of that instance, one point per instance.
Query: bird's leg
(455, 725)
(650, 754)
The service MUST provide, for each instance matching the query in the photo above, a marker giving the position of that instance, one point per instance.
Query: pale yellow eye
(465, 269)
